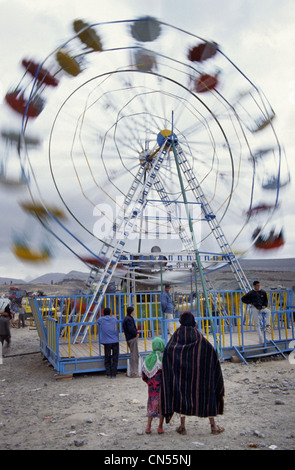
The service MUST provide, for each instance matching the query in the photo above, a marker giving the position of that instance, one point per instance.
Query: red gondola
(43, 75)
(99, 262)
(271, 242)
(19, 104)
(260, 208)
(202, 51)
(205, 83)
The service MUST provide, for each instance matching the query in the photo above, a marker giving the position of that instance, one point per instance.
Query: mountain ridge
(282, 264)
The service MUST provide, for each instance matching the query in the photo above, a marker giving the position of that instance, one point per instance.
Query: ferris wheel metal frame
(112, 252)
(134, 204)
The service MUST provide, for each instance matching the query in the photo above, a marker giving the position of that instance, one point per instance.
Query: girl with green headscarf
(151, 374)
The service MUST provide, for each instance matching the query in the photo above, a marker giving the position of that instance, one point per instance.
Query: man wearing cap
(168, 308)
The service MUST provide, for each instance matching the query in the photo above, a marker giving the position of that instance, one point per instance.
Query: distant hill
(54, 278)
(283, 264)
(10, 280)
(50, 278)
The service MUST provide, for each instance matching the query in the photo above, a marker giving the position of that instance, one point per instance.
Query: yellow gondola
(25, 253)
(68, 63)
(89, 36)
(42, 211)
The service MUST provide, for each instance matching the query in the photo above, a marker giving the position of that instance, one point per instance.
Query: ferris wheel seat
(206, 83)
(25, 253)
(41, 74)
(68, 63)
(15, 138)
(202, 51)
(144, 61)
(145, 29)
(13, 183)
(88, 36)
(19, 104)
(42, 211)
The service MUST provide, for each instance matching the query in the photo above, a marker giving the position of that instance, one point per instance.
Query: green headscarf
(153, 362)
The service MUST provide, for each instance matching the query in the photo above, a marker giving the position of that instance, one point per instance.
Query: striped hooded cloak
(192, 381)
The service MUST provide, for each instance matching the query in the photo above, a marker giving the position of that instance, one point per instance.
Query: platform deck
(83, 350)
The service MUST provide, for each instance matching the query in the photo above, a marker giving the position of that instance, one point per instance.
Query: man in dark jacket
(257, 298)
(131, 335)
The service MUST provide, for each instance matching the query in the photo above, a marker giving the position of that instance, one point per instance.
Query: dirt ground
(93, 412)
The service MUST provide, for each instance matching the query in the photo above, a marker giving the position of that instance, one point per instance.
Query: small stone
(258, 433)
(236, 359)
(139, 432)
(279, 402)
(252, 445)
(198, 444)
(79, 442)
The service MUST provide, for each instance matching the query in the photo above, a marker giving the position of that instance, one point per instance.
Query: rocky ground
(38, 411)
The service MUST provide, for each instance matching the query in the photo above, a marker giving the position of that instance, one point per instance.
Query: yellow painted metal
(89, 340)
(69, 340)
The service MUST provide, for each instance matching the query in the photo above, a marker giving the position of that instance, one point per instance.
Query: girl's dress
(154, 388)
(152, 375)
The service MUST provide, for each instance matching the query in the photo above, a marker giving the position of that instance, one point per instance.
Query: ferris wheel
(159, 151)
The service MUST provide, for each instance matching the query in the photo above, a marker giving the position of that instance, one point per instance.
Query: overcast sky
(258, 36)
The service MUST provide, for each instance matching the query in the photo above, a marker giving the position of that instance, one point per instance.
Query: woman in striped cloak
(192, 381)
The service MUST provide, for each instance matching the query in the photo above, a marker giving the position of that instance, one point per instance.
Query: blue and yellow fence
(58, 318)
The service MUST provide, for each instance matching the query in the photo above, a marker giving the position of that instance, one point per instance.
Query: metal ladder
(212, 221)
(186, 240)
(114, 258)
(108, 243)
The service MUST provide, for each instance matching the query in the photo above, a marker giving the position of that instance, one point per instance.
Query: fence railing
(59, 317)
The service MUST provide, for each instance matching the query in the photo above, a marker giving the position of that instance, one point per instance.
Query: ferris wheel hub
(168, 136)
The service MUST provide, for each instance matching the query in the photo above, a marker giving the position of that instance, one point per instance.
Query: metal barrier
(230, 326)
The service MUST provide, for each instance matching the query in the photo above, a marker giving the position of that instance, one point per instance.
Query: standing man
(131, 335)
(21, 316)
(257, 298)
(5, 334)
(168, 308)
(109, 337)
